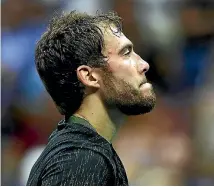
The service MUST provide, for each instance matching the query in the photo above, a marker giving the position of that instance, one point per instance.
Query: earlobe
(88, 76)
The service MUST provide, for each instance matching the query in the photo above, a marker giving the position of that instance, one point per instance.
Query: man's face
(124, 84)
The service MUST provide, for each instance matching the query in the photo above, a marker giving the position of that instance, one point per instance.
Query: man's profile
(91, 71)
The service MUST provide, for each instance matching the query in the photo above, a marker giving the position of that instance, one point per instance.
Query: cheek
(129, 63)
(122, 66)
(127, 68)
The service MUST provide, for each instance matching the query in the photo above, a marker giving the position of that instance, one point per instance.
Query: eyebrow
(126, 46)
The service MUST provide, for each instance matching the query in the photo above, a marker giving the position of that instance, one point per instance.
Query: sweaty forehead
(113, 40)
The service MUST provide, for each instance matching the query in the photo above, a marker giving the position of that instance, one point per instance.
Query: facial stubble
(120, 94)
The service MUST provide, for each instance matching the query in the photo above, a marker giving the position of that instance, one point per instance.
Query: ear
(88, 76)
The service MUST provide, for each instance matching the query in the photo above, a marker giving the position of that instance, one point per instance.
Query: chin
(137, 109)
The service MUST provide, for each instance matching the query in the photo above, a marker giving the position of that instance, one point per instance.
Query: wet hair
(71, 40)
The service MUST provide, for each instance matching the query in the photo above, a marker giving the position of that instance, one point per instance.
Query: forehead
(114, 40)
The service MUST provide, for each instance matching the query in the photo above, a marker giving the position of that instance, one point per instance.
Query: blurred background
(174, 144)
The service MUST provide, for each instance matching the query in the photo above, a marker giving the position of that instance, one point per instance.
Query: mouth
(143, 82)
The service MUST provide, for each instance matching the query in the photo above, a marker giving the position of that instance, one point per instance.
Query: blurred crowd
(174, 144)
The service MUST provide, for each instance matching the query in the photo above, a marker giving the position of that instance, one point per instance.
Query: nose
(143, 66)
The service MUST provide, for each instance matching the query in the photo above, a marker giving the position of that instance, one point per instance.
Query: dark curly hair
(71, 40)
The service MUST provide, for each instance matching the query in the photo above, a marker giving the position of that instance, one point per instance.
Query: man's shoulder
(69, 145)
(76, 164)
(76, 136)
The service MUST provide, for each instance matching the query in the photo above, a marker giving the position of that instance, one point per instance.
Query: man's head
(80, 55)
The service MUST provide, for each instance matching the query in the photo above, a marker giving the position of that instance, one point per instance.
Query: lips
(143, 82)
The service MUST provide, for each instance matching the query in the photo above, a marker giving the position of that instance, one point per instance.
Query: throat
(105, 121)
(103, 127)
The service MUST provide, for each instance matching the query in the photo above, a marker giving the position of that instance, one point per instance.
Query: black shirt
(76, 155)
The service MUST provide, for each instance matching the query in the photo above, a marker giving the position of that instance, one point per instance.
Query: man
(91, 71)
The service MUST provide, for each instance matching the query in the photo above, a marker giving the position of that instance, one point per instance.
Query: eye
(127, 51)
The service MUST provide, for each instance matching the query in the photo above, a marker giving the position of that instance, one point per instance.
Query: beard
(120, 94)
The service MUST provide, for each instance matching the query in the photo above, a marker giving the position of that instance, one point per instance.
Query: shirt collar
(74, 119)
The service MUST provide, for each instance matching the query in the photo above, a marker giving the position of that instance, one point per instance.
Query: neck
(105, 121)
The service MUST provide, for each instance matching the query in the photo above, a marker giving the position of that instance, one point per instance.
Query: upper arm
(79, 168)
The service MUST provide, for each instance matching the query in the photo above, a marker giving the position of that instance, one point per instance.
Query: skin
(120, 89)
